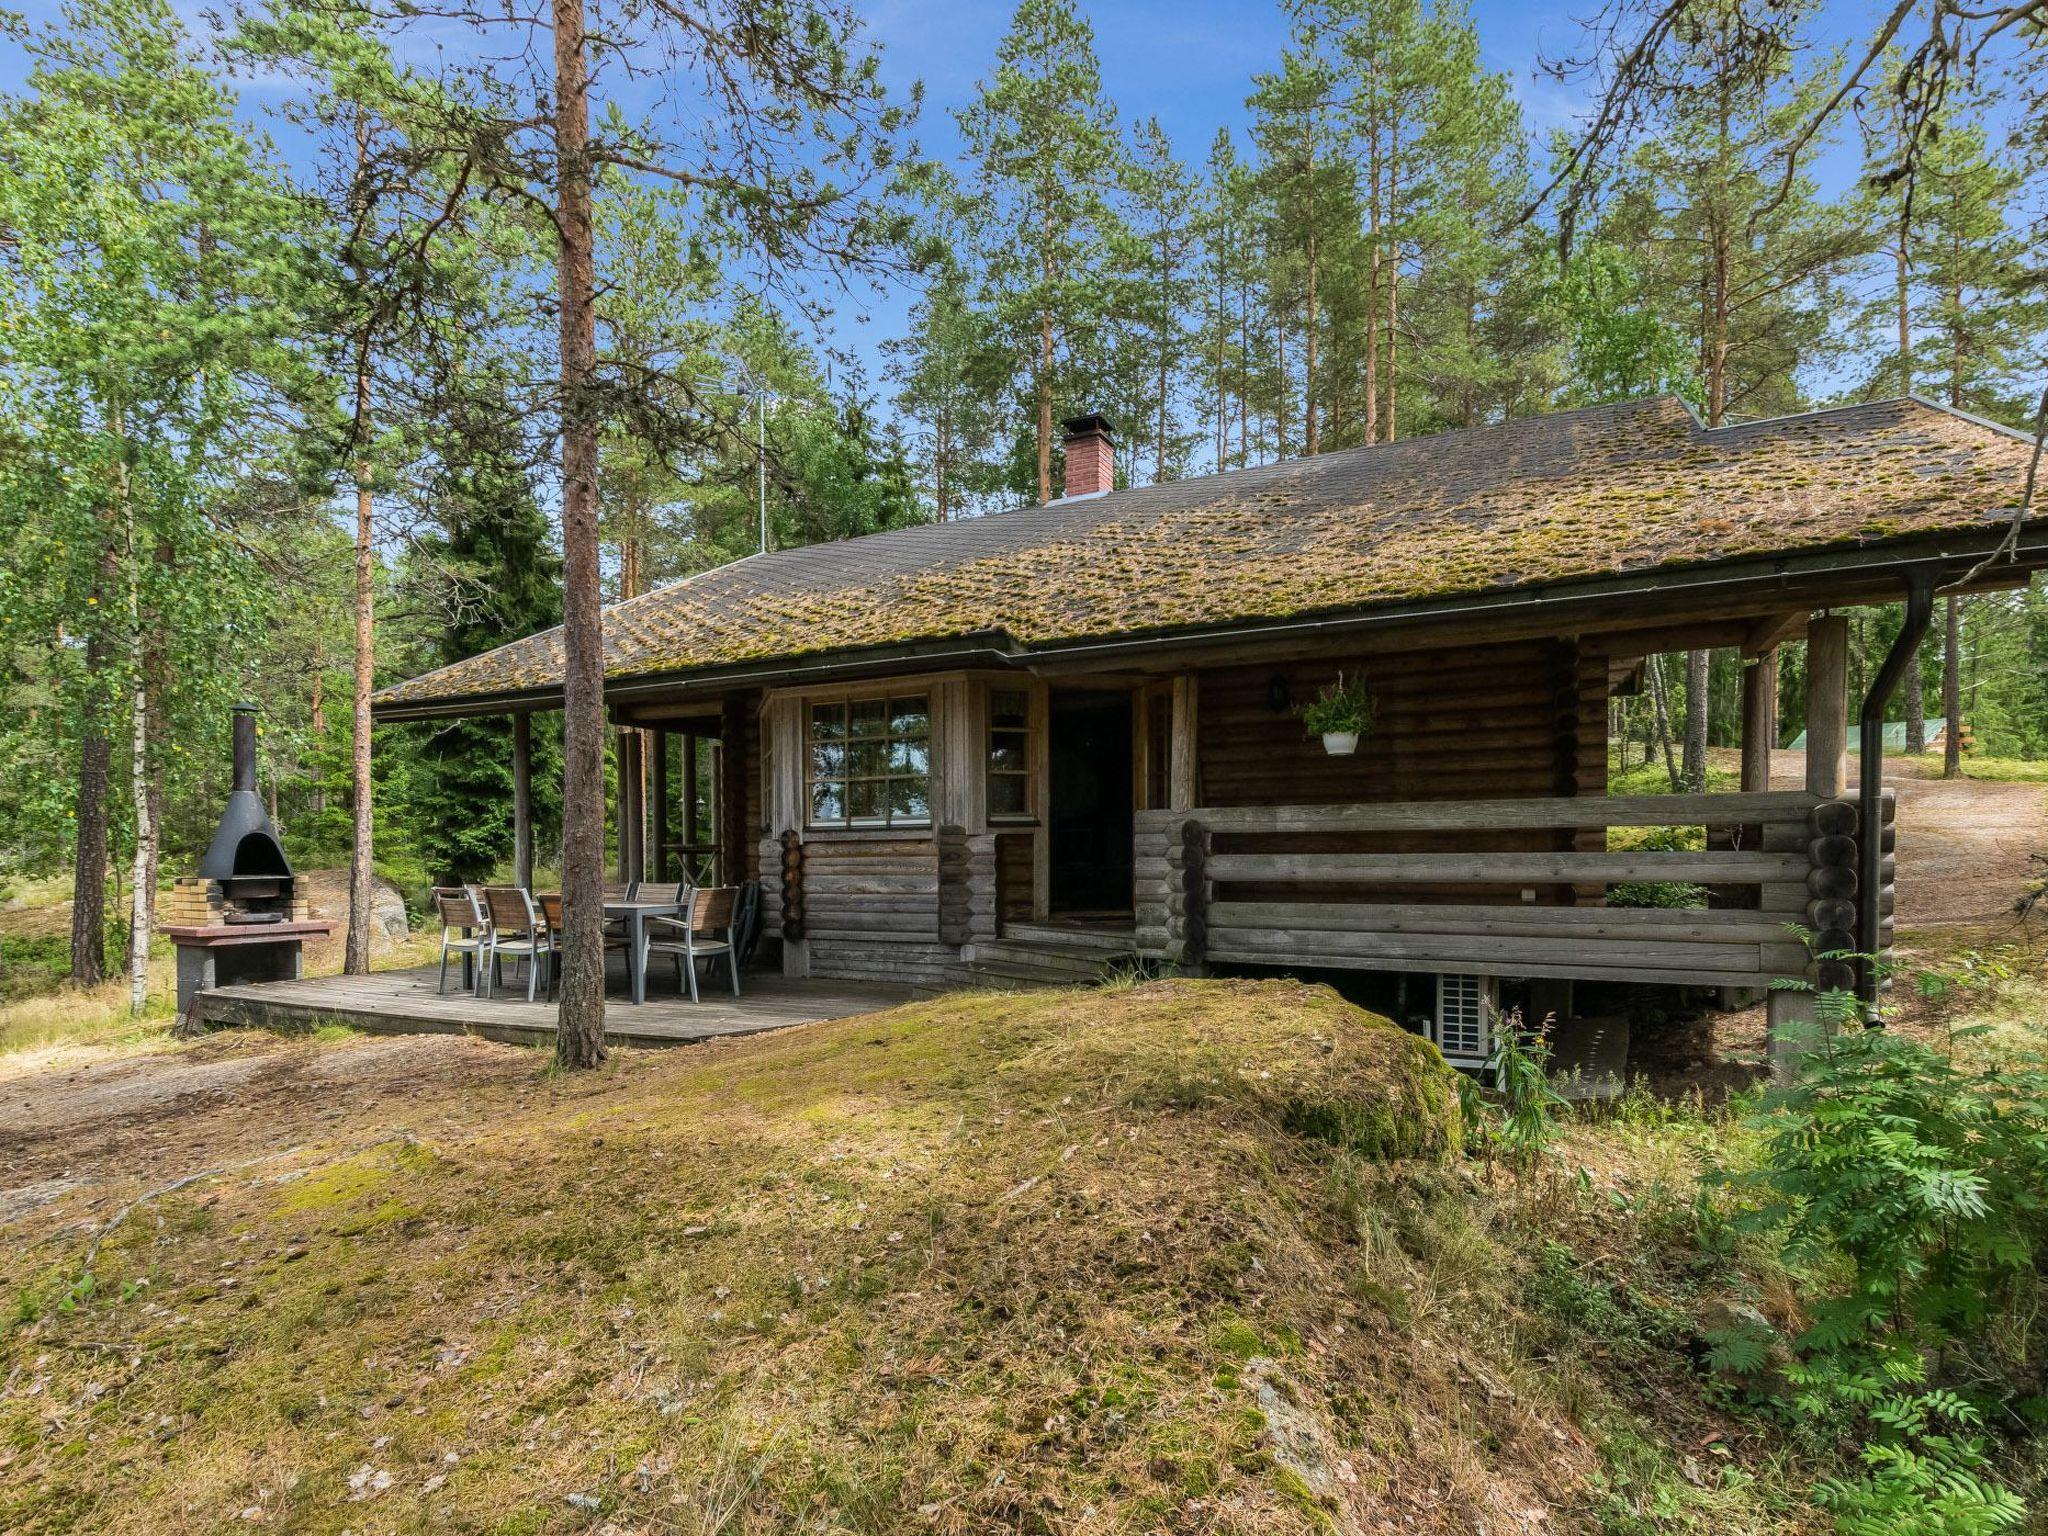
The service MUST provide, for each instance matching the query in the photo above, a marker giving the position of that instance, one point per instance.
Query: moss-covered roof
(1581, 494)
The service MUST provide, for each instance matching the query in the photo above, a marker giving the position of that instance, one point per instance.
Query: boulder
(326, 895)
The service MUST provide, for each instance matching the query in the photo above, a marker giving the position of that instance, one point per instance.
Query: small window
(870, 763)
(1009, 755)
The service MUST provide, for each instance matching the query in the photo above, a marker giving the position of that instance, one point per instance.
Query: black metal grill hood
(245, 845)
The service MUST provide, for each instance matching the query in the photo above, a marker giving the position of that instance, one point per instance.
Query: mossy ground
(1175, 1257)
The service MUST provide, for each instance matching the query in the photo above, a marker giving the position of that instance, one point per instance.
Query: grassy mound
(1186, 1256)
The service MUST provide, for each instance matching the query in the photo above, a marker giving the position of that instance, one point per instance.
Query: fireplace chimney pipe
(245, 747)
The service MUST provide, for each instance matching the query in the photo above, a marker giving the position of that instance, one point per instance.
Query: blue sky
(1190, 62)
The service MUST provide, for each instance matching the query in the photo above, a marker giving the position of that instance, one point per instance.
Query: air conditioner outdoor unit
(1466, 1007)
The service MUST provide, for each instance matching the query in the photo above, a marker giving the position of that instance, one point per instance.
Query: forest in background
(287, 427)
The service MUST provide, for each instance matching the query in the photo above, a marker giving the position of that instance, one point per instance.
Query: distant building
(1895, 737)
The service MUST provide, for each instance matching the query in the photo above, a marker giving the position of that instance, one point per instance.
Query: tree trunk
(1311, 423)
(139, 916)
(1390, 417)
(356, 955)
(1952, 689)
(1662, 715)
(1914, 689)
(1904, 276)
(89, 857)
(579, 1034)
(316, 723)
(1372, 291)
(1697, 673)
(1045, 355)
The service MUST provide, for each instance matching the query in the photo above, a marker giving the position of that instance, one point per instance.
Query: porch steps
(1026, 960)
(1113, 941)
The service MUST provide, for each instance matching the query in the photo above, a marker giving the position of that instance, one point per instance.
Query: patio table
(636, 914)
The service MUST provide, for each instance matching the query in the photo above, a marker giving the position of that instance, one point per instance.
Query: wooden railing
(1213, 887)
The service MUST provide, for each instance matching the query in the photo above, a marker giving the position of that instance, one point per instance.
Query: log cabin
(1019, 746)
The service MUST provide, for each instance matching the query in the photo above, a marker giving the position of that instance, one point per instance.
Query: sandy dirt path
(1965, 846)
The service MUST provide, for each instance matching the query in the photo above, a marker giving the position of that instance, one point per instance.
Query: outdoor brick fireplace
(240, 919)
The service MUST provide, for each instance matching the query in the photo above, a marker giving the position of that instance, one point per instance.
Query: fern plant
(1923, 1185)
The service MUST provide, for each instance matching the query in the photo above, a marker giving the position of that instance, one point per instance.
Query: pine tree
(1047, 161)
(1227, 275)
(490, 573)
(1464, 362)
(1160, 241)
(1310, 200)
(949, 371)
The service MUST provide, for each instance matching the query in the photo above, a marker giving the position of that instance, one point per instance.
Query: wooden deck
(404, 1002)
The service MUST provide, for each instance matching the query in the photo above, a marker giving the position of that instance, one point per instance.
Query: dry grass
(1076, 1262)
(71, 1023)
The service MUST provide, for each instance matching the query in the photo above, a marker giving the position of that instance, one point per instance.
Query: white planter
(1340, 743)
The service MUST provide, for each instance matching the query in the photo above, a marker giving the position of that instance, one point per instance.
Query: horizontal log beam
(1713, 867)
(1664, 924)
(1530, 813)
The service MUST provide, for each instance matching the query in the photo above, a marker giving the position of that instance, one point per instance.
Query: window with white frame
(868, 762)
(1009, 755)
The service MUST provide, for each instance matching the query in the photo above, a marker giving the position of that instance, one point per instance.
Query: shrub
(1910, 1191)
(1519, 1118)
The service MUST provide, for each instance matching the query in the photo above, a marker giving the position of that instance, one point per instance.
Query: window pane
(864, 800)
(1006, 794)
(908, 800)
(867, 759)
(1009, 709)
(909, 757)
(1006, 753)
(828, 802)
(907, 717)
(828, 721)
(868, 717)
(828, 760)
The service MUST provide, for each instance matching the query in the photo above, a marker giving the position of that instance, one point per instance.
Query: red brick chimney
(1091, 455)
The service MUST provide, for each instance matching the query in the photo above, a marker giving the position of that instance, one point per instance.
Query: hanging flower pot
(1340, 714)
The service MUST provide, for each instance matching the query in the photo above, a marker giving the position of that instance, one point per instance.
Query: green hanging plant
(1341, 713)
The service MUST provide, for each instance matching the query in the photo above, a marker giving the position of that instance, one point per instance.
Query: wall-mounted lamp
(1279, 696)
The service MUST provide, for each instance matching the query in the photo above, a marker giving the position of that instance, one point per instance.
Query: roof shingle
(1579, 494)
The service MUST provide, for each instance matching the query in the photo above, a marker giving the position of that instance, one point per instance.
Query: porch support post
(522, 798)
(1791, 1032)
(632, 833)
(658, 812)
(1827, 706)
(691, 868)
(1182, 789)
(1759, 721)
(734, 789)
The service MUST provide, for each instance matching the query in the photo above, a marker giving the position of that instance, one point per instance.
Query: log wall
(1469, 723)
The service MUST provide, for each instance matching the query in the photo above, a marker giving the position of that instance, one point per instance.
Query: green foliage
(1520, 1068)
(1661, 893)
(1912, 1190)
(1517, 1118)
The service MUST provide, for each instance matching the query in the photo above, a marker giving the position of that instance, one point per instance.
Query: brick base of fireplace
(235, 954)
(197, 902)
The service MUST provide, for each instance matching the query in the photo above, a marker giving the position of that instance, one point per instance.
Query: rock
(326, 895)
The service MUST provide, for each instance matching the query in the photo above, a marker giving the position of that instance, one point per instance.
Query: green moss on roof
(1581, 494)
